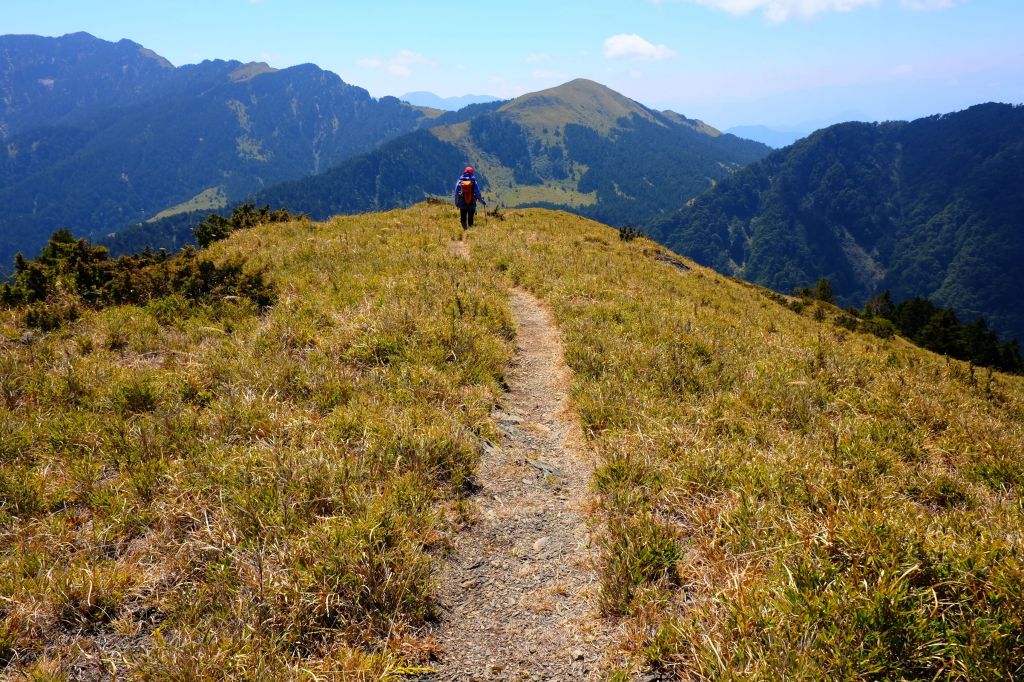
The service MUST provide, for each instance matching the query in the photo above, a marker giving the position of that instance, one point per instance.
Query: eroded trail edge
(518, 598)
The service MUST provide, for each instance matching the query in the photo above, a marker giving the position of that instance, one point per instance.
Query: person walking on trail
(467, 194)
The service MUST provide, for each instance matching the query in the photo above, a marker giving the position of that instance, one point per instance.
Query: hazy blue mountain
(101, 135)
(932, 207)
(773, 137)
(429, 99)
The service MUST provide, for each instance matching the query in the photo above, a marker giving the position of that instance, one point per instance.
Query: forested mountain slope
(103, 135)
(580, 147)
(932, 207)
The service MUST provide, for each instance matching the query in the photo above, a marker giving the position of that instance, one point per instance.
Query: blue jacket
(476, 191)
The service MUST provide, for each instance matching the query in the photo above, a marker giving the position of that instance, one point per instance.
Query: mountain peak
(250, 70)
(579, 101)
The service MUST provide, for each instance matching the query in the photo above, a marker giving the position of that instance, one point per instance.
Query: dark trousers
(466, 216)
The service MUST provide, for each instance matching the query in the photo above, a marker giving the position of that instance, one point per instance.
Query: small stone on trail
(545, 468)
(510, 431)
(541, 543)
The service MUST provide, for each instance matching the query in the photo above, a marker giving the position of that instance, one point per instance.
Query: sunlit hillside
(208, 488)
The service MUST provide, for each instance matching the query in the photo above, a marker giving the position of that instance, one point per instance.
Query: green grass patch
(782, 498)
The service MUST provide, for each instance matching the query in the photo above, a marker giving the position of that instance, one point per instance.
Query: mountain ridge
(124, 136)
(580, 145)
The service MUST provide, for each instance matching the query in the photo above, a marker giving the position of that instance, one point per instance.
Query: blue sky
(786, 63)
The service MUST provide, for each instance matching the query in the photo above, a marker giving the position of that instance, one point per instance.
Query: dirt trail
(518, 599)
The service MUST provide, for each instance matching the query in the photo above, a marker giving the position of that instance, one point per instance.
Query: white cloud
(926, 5)
(499, 87)
(549, 75)
(783, 10)
(630, 45)
(400, 64)
(778, 11)
(537, 58)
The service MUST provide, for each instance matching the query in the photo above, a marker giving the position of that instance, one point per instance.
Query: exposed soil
(674, 262)
(518, 597)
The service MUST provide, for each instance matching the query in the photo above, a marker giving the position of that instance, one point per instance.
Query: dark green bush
(71, 274)
(217, 227)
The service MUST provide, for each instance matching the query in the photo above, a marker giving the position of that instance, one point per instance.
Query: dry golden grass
(209, 492)
(783, 498)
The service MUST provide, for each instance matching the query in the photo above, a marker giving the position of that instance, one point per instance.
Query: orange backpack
(468, 195)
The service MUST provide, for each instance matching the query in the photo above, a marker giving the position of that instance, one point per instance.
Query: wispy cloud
(500, 87)
(400, 64)
(632, 46)
(538, 58)
(927, 5)
(783, 10)
(549, 75)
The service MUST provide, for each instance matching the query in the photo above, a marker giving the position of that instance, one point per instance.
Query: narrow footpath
(519, 596)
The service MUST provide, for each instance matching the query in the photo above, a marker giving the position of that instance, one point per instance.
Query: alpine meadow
(205, 487)
(300, 380)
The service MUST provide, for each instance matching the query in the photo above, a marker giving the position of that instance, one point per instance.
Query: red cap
(469, 169)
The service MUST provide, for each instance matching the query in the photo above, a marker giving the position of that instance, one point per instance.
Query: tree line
(930, 326)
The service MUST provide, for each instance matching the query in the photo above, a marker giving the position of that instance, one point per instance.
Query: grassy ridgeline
(206, 490)
(783, 498)
(210, 490)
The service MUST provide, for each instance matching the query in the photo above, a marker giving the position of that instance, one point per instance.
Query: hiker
(467, 193)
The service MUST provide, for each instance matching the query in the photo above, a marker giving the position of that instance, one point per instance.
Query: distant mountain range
(773, 137)
(933, 207)
(99, 135)
(429, 99)
(580, 147)
(111, 139)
